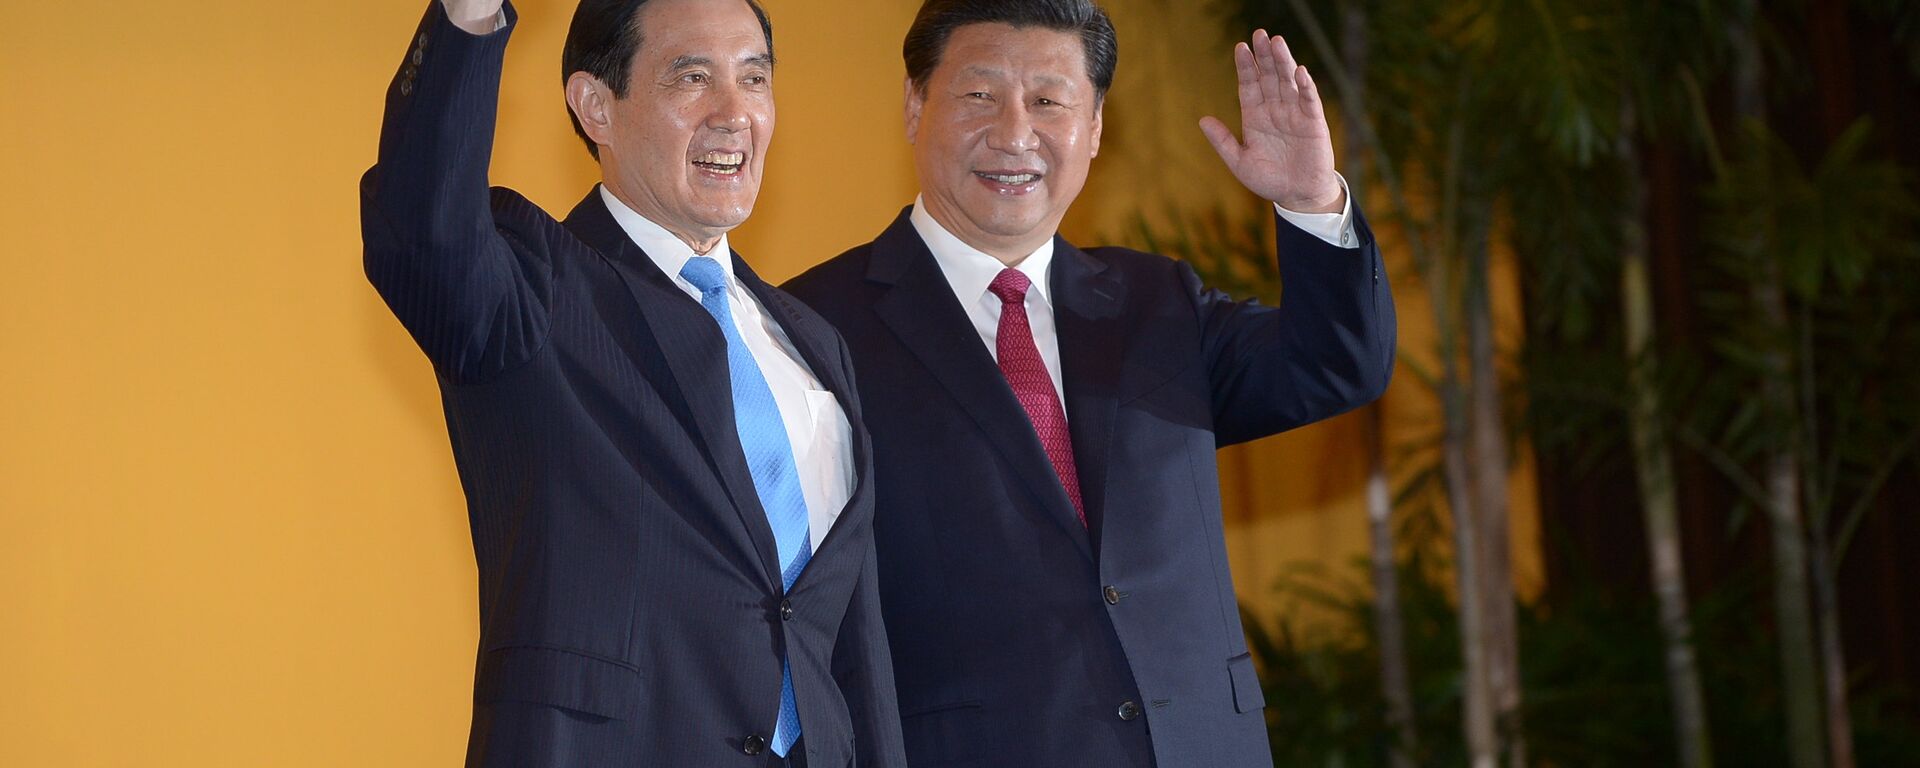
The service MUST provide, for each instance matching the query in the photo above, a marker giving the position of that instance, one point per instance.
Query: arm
(1326, 349)
(863, 667)
(862, 662)
(1329, 346)
(472, 300)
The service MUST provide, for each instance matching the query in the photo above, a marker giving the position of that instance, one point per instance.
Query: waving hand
(1285, 152)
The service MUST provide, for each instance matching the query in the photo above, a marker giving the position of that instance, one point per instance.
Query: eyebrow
(692, 60)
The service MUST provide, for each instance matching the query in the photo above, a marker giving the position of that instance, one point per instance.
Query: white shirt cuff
(1335, 228)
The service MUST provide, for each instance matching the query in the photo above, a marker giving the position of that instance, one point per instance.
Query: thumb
(1222, 140)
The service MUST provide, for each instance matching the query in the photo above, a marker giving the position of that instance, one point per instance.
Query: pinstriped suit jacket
(630, 605)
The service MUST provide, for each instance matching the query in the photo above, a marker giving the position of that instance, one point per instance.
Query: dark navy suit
(1019, 637)
(631, 611)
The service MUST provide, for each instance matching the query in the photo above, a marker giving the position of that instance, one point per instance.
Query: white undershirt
(817, 426)
(969, 271)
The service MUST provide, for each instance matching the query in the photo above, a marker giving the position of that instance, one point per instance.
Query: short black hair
(602, 42)
(927, 38)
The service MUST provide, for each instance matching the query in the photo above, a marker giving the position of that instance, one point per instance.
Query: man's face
(688, 143)
(1004, 134)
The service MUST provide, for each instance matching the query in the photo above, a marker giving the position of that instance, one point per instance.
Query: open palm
(1286, 152)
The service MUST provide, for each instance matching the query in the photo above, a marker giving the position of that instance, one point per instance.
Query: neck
(702, 241)
(700, 246)
(1011, 256)
(1009, 251)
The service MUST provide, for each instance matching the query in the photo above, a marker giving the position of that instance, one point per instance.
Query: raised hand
(473, 16)
(1286, 154)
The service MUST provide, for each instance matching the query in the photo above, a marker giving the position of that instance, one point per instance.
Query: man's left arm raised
(1329, 346)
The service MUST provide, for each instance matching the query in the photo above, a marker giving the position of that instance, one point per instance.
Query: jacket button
(786, 611)
(755, 745)
(421, 41)
(406, 87)
(419, 55)
(1112, 594)
(1128, 710)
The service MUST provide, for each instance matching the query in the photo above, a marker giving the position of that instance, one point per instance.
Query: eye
(979, 95)
(755, 80)
(1047, 102)
(694, 78)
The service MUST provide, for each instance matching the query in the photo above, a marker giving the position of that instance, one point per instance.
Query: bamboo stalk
(1653, 465)
(1794, 624)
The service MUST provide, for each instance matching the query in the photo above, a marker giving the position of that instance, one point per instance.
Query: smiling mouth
(1009, 179)
(722, 163)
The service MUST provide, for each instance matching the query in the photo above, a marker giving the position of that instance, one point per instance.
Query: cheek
(961, 138)
(1071, 146)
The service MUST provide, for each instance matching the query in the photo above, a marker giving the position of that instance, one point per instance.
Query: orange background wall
(230, 530)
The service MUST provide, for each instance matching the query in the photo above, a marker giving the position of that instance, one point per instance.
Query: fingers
(1283, 60)
(1222, 140)
(1309, 93)
(1249, 76)
(1270, 85)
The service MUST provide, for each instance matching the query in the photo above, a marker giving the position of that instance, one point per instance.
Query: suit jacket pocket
(944, 734)
(561, 678)
(1246, 684)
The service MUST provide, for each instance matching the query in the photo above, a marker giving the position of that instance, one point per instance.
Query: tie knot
(1010, 285)
(705, 274)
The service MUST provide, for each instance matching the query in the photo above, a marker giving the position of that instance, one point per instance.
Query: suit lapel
(821, 356)
(923, 313)
(696, 354)
(1087, 318)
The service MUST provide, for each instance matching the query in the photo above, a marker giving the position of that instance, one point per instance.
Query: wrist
(474, 18)
(1333, 201)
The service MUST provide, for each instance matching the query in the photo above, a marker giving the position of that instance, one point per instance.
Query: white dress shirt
(817, 427)
(969, 270)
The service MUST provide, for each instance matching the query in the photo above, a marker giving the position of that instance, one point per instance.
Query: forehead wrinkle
(978, 70)
(995, 73)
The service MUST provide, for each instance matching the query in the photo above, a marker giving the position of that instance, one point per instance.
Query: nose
(1012, 131)
(730, 113)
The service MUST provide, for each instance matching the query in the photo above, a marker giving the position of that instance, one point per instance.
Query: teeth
(723, 158)
(1016, 179)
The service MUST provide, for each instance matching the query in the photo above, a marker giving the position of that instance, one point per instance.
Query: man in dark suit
(1053, 571)
(666, 471)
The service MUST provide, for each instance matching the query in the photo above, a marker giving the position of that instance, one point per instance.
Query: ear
(915, 101)
(1099, 107)
(592, 104)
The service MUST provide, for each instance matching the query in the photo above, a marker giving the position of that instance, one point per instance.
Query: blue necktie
(763, 439)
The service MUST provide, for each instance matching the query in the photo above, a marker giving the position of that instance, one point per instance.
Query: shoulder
(833, 280)
(527, 226)
(1144, 273)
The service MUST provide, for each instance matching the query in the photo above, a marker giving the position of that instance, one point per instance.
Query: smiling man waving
(1053, 569)
(664, 461)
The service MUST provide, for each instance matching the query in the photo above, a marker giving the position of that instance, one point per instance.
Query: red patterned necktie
(1020, 363)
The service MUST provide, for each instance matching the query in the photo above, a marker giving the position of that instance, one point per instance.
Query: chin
(1015, 227)
(724, 217)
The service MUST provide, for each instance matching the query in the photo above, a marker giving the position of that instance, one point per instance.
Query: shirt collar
(670, 253)
(968, 269)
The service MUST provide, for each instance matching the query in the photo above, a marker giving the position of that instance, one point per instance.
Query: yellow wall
(230, 531)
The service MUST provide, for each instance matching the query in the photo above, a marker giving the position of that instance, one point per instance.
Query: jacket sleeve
(1326, 349)
(862, 662)
(471, 294)
(863, 667)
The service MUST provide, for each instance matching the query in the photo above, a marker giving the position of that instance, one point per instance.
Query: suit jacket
(631, 610)
(1020, 637)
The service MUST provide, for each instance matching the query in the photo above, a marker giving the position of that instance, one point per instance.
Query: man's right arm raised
(471, 293)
